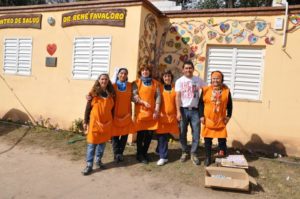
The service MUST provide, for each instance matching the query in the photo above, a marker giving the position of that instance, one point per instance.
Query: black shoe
(207, 162)
(87, 170)
(139, 158)
(99, 165)
(121, 157)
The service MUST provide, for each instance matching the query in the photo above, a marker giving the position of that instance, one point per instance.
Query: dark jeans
(208, 143)
(119, 143)
(189, 117)
(162, 145)
(143, 141)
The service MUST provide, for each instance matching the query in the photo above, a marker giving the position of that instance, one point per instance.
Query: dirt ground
(38, 163)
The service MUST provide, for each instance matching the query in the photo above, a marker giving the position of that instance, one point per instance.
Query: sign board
(110, 17)
(21, 21)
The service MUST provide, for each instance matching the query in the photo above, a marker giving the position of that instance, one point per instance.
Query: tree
(20, 2)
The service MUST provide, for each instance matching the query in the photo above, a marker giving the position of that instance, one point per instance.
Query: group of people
(160, 107)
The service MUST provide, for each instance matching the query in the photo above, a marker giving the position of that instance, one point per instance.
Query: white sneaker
(161, 162)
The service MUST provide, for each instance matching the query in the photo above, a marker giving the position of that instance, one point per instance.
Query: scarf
(121, 85)
(146, 80)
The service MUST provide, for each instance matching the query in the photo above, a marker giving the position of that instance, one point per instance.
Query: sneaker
(121, 158)
(99, 165)
(141, 159)
(161, 162)
(195, 160)
(184, 157)
(117, 158)
(87, 170)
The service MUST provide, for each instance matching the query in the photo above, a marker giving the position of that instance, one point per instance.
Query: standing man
(187, 98)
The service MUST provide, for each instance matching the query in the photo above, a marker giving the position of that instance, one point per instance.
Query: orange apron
(122, 122)
(144, 116)
(168, 119)
(214, 121)
(99, 130)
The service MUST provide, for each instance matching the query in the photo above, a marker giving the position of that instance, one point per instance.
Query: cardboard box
(227, 178)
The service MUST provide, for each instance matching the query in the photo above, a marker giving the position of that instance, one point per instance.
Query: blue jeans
(189, 117)
(90, 153)
(162, 145)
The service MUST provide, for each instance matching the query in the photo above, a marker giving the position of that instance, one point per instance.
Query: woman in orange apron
(98, 121)
(147, 94)
(122, 122)
(167, 121)
(215, 112)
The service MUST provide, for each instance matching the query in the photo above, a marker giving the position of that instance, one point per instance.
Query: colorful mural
(295, 21)
(147, 44)
(187, 40)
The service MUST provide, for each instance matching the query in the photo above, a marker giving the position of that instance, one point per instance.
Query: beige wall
(51, 92)
(274, 117)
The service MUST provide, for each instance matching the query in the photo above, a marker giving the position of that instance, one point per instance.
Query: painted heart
(51, 49)
(190, 27)
(250, 26)
(196, 31)
(270, 40)
(261, 25)
(182, 32)
(235, 24)
(170, 43)
(177, 38)
(252, 38)
(210, 21)
(173, 29)
(224, 27)
(197, 39)
(202, 27)
(192, 54)
(185, 51)
(228, 39)
(185, 40)
(177, 46)
(183, 58)
(220, 39)
(236, 32)
(201, 59)
(211, 35)
(168, 59)
(194, 48)
(199, 67)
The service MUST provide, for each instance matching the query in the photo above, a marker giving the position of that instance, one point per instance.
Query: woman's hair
(120, 71)
(166, 72)
(217, 71)
(97, 90)
(144, 67)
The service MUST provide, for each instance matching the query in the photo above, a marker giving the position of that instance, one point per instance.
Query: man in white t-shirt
(187, 90)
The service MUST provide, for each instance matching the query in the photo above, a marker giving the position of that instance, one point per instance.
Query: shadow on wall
(257, 145)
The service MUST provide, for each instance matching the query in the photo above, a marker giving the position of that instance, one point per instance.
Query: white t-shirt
(189, 89)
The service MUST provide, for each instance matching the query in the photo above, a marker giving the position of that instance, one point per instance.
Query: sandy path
(33, 173)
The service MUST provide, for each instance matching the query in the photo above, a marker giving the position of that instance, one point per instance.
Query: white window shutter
(242, 69)
(91, 57)
(17, 56)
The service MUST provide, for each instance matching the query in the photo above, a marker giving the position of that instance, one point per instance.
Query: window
(91, 57)
(17, 56)
(242, 69)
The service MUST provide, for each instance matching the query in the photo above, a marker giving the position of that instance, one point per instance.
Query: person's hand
(226, 120)
(146, 104)
(178, 116)
(202, 120)
(85, 128)
(88, 97)
(155, 114)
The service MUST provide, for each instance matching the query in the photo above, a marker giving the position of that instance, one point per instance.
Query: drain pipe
(285, 24)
